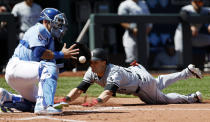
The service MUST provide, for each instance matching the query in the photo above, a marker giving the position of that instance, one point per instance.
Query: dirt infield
(120, 110)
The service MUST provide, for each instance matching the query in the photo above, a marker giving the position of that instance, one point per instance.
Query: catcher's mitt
(83, 51)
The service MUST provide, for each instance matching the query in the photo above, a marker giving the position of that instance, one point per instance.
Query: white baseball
(82, 59)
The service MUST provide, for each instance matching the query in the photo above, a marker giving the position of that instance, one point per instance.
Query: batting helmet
(57, 20)
(99, 54)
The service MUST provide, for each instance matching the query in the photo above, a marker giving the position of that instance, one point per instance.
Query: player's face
(98, 67)
(29, 2)
(197, 5)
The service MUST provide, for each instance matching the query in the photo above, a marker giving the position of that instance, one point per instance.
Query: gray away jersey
(191, 11)
(125, 78)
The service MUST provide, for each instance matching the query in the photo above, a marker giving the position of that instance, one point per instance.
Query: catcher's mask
(57, 21)
(99, 54)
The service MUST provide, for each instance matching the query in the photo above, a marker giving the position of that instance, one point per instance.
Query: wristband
(99, 100)
(58, 55)
(67, 98)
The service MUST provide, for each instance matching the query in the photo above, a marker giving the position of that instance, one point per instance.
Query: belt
(139, 76)
(137, 90)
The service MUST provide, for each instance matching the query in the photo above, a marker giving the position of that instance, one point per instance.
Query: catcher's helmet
(57, 20)
(99, 54)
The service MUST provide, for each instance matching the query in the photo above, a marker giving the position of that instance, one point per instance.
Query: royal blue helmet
(49, 14)
(57, 20)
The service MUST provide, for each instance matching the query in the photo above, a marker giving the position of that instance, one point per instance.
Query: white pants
(150, 88)
(199, 41)
(130, 47)
(23, 76)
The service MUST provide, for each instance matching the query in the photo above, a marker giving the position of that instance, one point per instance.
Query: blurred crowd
(165, 48)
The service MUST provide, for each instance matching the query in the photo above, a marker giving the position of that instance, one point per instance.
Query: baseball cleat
(195, 71)
(50, 110)
(5, 109)
(60, 105)
(4, 96)
(198, 96)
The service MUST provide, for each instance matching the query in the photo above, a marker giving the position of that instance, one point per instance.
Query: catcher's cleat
(60, 105)
(4, 96)
(24, 106)
(199, 97)
(195, 71)
(50, 110)
(5, 109)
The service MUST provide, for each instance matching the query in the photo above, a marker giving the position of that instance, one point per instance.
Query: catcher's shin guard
(47, 85)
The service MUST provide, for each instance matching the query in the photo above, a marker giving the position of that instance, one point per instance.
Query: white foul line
(149, 109)
(42, 117)
(108, 109)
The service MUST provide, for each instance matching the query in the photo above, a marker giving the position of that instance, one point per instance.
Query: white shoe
(60, 105)
(50, 110)
(195, 71)
(4, 96)
(198, 95)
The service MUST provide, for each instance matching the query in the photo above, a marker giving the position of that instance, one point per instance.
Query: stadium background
(78, 11)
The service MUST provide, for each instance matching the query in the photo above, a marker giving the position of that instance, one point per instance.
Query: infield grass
(65, 84)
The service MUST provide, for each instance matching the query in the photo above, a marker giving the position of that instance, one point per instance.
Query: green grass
(65, 84)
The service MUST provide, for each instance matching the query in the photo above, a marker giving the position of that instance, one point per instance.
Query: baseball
(82, 59)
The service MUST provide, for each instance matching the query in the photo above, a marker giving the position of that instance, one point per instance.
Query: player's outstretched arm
(73, 94)
(103, 97)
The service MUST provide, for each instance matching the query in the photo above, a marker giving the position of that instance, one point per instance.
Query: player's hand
(70, 52)
(135, 31)
(60, 100)
(90, 104)
(194, 31)
(209, 28)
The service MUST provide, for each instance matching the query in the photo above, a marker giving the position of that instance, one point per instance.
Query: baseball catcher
(34, 62)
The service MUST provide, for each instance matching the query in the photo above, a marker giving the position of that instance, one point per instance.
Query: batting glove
(65, 99)
(90, 104)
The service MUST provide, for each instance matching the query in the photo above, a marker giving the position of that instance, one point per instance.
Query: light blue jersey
(37, 35)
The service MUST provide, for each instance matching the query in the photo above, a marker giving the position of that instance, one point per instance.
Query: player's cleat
(50, 110)
(4, 96)
(5, 109)
(195, 71)
(198, 96)
(60, 105)
(24, 106)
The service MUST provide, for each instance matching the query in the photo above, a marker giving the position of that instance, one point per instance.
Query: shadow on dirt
(142, 104)
(66, 113)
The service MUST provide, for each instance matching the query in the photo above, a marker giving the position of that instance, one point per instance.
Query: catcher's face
(98, 67)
